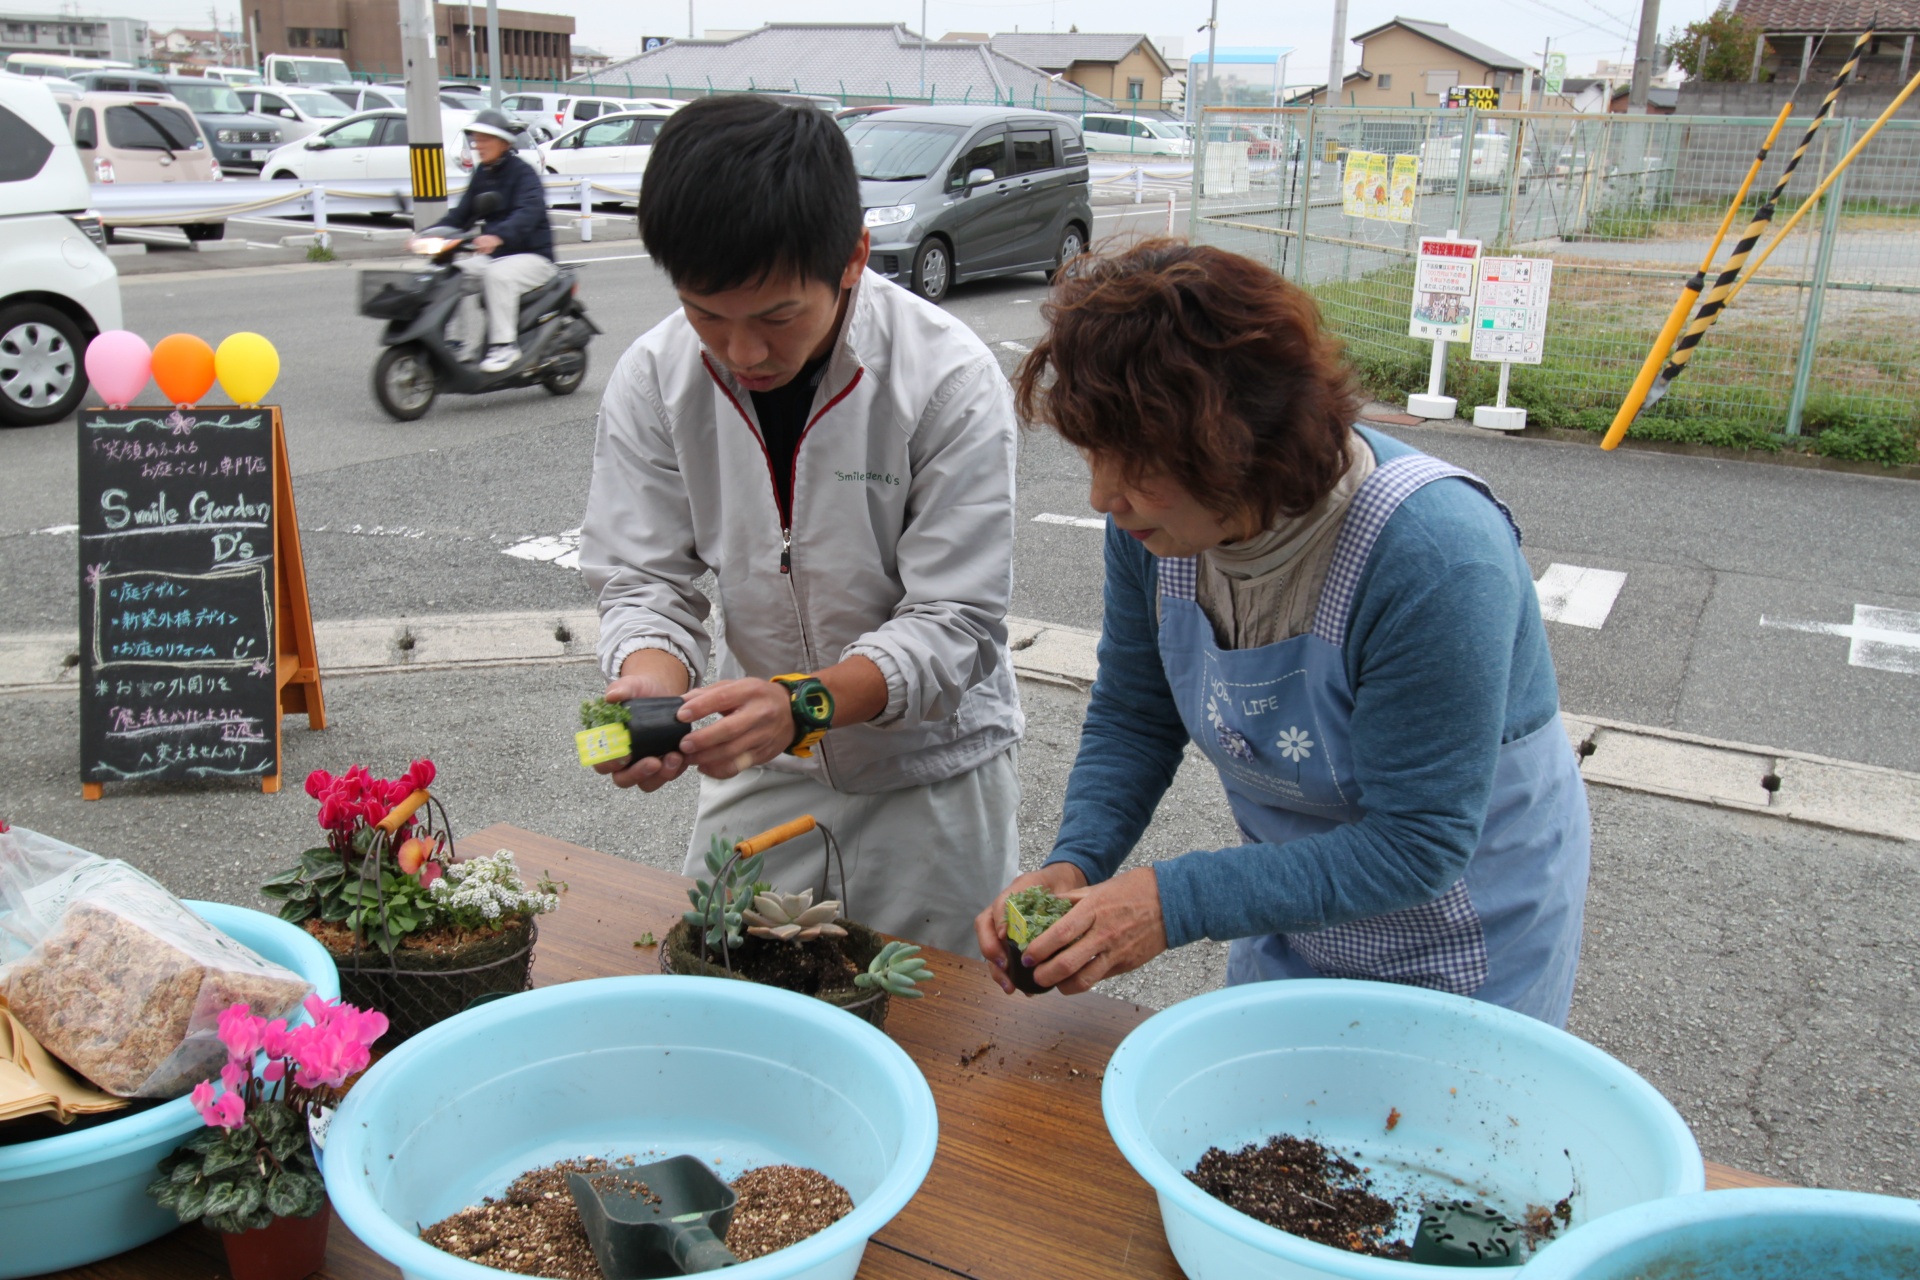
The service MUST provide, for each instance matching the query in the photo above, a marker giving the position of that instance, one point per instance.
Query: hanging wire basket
(417, 986)
(685, 951)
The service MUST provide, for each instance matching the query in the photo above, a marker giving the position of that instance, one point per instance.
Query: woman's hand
(990, 926)
(1113, 927)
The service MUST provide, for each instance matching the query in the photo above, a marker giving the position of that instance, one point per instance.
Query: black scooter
(420, 360)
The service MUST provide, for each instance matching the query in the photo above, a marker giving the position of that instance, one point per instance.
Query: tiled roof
(1056, 51)
(877, 60)
(1442, 34)
(1814, 16)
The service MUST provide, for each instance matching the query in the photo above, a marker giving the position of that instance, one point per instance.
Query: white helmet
(496, 124)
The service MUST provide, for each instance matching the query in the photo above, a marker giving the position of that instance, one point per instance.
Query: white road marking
(1883, 639)
(557, 549)
(1079, 522)
(1578, 597)
(607, 257)
(59, 528)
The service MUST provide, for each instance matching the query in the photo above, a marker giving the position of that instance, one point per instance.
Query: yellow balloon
(247, 366)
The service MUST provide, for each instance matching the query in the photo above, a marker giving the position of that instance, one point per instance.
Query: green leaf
(284, 1195)
(335, 910)
(186, 1171)
(221, 1198)
(295, 912)
(192, 1203)
(226, 1158)
(249, 1196)
(292, 875)
(321, 863)
(163, 1189)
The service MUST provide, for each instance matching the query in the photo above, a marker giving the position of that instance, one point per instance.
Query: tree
(1716, 48)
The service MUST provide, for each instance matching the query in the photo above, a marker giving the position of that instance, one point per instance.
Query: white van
(238, 77)
(56, 64)
(286, 68)
(58, 288)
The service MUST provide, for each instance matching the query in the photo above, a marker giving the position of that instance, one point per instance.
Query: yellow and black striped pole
(429, 160)
(1723, 284)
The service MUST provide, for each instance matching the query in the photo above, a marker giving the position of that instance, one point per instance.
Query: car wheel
(42, 378)
(284, 176)
(404, 382)
(933, 269)
(205, 230)
(1073, 243)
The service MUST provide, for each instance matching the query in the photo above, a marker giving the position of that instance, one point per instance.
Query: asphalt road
(1736, 619)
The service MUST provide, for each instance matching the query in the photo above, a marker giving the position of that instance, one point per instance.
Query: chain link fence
(1827, 337)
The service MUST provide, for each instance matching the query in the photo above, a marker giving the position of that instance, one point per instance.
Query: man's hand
(1113, 927)
(755, 725)
(647, 673)
(487, 244)
(990, 926)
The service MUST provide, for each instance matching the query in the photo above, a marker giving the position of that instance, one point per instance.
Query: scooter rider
(513, 255)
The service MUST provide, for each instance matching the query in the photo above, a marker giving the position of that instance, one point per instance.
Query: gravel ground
(1760, 973)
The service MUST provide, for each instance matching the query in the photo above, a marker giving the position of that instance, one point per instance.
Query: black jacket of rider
(521, 222)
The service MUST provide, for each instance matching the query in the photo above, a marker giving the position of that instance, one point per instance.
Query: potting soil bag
(115, 977)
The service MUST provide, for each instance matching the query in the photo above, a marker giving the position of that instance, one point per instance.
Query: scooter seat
(532, 304)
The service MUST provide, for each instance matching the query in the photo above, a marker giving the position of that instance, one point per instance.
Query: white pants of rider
(503, 281)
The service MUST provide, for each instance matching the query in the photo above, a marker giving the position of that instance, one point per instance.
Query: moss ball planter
(680, 954)
(419, 985)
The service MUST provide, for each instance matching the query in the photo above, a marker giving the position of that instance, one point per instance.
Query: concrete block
(1687, 770)
(1851, 797)
(306, 241)
(1062, 655)
(37, 661)
(1426, 406)
(123, 250)
(218, 246)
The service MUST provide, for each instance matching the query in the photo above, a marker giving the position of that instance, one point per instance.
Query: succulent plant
(898, 970)
(595, 712)
(792, 917)
(718, 904)
(1039, 908)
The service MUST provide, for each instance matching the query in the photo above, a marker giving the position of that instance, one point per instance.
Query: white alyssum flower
(489, 887)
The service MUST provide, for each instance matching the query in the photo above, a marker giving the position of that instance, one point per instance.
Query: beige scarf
(1265, 590)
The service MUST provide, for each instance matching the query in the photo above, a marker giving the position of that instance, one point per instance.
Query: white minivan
(58, 288)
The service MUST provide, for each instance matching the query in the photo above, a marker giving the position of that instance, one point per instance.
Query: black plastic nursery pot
(680, 953)
(1023, 979)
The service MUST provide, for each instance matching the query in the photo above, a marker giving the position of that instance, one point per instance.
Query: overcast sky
(1586, 30)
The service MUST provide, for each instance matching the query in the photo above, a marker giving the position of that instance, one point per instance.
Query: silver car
(954, 194)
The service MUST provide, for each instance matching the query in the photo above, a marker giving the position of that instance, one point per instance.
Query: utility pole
(689, 19)
(473, 60)
(426, 150)
(923, 48)
(1526, 82)
(1337, 56)
(493, 57)
(1206, 91)
(1643, 57)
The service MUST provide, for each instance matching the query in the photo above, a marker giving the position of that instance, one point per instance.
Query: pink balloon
(119, 364)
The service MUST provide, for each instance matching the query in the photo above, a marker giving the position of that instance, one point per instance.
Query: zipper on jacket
(786, 550)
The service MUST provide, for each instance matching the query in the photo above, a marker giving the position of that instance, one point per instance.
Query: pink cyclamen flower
(274, 1039)
(242, 1033)
(224, 1112)
(234, 1076)
(274, 1071)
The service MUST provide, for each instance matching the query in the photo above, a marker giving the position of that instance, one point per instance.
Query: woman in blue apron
(1344, 626)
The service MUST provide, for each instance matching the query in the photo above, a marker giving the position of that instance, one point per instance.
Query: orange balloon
(183, 366)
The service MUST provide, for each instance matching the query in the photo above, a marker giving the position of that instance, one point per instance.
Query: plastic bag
(115, 976)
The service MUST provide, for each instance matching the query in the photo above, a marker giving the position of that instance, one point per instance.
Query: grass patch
(319, 253)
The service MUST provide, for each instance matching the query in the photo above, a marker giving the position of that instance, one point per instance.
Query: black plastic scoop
(669, 1218)
(1463, 1233)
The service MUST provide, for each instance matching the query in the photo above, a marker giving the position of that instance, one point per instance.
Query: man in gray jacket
(840, 455)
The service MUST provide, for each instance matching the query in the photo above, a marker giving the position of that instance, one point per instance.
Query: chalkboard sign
(185, 519)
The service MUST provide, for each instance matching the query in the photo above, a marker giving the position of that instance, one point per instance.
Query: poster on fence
(1443, 280)
(1402, 189)
(1353, 184)
(1510, 310)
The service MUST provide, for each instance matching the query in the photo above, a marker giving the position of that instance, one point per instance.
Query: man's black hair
(740, 188)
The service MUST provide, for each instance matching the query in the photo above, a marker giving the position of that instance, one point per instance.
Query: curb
(1794, 785)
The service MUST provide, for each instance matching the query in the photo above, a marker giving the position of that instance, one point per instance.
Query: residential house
(589, 61)
(1660, 101)
(1811, 39)
(1410, 62)
(854, 63)
(1127, 69)
(109, 39)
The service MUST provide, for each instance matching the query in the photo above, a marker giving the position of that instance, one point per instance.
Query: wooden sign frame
(297, 688)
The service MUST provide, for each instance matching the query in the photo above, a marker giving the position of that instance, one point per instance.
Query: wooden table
(1000, 1067)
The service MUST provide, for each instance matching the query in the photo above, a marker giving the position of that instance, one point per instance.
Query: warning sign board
(1510, 310)
(1443, 281)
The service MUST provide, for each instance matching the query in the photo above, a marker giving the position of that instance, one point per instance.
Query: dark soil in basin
(1302, 1188)
(534, 1230)
(807, 967)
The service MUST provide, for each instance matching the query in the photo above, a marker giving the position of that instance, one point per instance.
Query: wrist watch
(812, 712)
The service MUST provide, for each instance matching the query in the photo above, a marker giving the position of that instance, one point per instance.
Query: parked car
(617, 143)
(1487, 167)
(287, 68)
(238, 77)
(372, 144)
(570, 111)
(1134, 136)
(847, 115)
(954, 194)
(58, 288)
(146, 82)
(298, 112)
(378, 97)
(241, 140)
(132, 137)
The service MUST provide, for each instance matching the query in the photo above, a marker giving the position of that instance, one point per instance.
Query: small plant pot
(1022, 976)
(417, 988)
(680, 953)
(284, 1249)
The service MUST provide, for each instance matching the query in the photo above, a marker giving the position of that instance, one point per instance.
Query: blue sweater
(1447, 659)
(521, 221)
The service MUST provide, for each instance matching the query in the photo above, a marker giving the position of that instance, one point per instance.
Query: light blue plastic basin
(80, 1197)
(1494, 1106)
(1761, 1234)
(737, 1074)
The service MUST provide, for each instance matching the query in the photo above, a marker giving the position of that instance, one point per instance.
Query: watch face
(813, 704)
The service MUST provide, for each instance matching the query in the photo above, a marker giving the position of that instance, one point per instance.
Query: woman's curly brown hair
(1198, 365)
